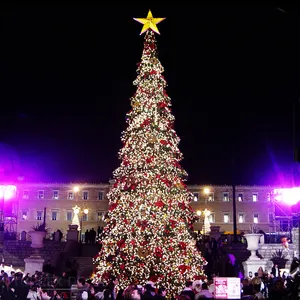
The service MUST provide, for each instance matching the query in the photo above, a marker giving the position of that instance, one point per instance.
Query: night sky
(232, 71)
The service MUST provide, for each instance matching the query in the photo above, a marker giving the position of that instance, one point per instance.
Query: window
(226, 218)
(255, 218)
(196, 197)
(55, 194)
(241, 218)
(41, 194)
(54, 215)
(100, 195)
(254, 197)
(226, 197)
(212, 218)
(70, 195)
(84, 217)
(24, 215)
(39, 215)
(69, 216)
(271, 218)
(25, 194)
(100, 215)
(240, 197)
(210, 197)
(85, 195)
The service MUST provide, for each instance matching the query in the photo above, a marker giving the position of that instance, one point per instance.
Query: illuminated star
(149, 22)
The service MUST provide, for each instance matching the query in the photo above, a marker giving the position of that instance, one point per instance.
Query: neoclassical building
(28, 204)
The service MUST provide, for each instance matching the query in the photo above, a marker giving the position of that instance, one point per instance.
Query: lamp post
(85, 212)
(234, 203)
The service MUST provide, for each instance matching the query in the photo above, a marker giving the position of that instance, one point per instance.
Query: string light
(149, 222)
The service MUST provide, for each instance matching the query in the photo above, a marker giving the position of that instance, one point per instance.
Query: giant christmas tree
(149, 221)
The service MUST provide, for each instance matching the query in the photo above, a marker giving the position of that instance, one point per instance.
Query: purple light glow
(288, 196)
(7, 192)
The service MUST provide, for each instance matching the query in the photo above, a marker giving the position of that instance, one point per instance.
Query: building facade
(54, 203)
(255, 209)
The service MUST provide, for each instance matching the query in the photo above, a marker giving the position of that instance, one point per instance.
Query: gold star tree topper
(149, 22)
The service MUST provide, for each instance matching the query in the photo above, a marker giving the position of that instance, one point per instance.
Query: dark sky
(232, 71)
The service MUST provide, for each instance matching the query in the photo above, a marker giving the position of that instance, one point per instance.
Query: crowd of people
(42, 286)
(47, 286)
(275, 285)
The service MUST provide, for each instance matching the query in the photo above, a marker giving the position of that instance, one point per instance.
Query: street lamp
(85, 212)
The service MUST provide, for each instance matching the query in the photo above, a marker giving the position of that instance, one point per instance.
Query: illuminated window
(100, 195)
(25, 194)
(54, 215)
(24, 215)
(255, 218)
(212, 218)
(226, 218)
(85, 195)
(39, 215)
(55, 194)
(240, 197)
(100, 215)
(210, 197)
(226, 197)
(196, 197)
(241, 218)
(69, 216)
(254, 197)
(41, 194)
(70, 195)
